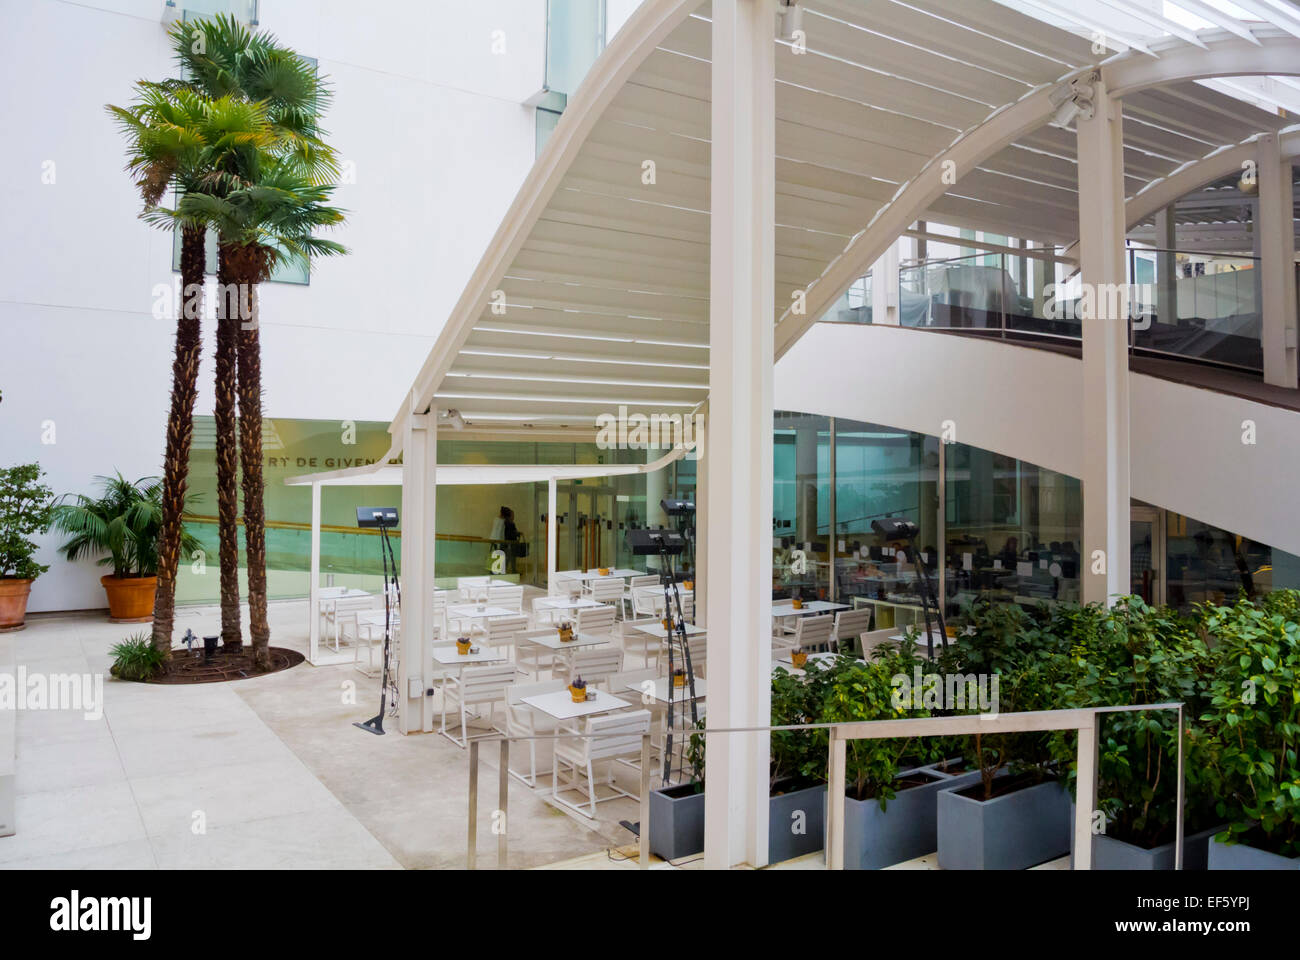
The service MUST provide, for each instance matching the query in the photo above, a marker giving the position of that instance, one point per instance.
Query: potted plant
(1127, 654)
(565, 631)
(123, 523)
(1254, 714)
(578, 690)
(1018, 813)
(677, 812)
(891, 795)
(798, 657)
(24, 510)
(462, 646)
(679, 678)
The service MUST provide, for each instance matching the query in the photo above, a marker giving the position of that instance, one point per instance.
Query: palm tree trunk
(251, 261)
(227, 488)
(180, 430)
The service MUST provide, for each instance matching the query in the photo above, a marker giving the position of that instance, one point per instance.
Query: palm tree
(273, 218)
(167, 147)
(234, 63)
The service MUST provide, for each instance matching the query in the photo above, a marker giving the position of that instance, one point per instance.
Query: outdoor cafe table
(560, 705)
(555, 604)
(596, 575)
(550, 639)
(472, 611)
(467, 584)
(655, 595)
(446, 659)
(656, 629)
(679, 693)
(785, 609)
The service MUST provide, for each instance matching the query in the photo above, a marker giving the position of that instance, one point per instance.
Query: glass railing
(1196, 306)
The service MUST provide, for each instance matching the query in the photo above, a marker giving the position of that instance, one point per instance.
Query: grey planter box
(782, 841)
(676, 822)
(1111, 854)
(1238, 856)
(1010, 832)
(904, 830)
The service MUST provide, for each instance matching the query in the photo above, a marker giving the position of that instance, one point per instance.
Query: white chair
(476, 686)
(523, 721)
(810, 634)
(874, 639)
(607, 738)
(697, 645)
(849, 625)
(563, 583)
(597, 621)
(345, 612)
(595, 666)
(501, 633)
(529, 656)
(647, 598)
(370, 636)
(645, 645)
(618, 684)
(512, 598)
(608, 590)
(638, 583)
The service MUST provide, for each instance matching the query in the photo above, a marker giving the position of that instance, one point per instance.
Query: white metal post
(741, 338)
(884, 288)
(419, 527)
(1167, 266)
(1085, 797)
(835, 772)
(313, 591)
(1275, 229)
(1104, 563)
(552, 534)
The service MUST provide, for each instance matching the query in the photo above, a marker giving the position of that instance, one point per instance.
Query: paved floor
(266, 772)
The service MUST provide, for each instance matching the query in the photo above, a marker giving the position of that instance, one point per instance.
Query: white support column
(1275, 228)
(884, 288)
(1167, 266)
(419, 525)
(701, 520)
(1105, 398)
(313, 608)
(739, 520)
(552, 534)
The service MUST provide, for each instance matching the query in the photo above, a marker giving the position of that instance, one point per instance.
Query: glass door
(1146, 553)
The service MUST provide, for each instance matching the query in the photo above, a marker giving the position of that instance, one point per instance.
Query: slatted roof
(594, 293)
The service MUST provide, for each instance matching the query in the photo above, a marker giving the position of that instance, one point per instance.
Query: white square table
(550, 639)
(446, 655)
(786, 609)
(467, 586)
(471, 611)
(560, 705)
(657, 630)
(679, 693)
(614, 572)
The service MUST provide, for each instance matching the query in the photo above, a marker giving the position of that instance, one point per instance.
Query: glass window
(801, 560)
(575, 36)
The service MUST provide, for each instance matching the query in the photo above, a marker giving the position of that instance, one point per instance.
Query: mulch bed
(189, 666)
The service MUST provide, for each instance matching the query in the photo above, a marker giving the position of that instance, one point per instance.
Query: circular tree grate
(189, 667)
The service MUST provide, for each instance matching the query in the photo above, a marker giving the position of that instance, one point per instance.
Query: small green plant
(1254, 713)
(25, 505)
(136, 658)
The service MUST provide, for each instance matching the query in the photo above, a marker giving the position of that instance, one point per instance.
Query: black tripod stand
(384, 519)
(673, 602)
(906, 531)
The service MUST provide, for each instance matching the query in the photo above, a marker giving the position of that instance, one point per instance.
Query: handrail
(1083, 719)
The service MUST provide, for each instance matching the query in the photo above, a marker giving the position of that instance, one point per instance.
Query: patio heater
(668, 544)
(896, 528)
(383, 519)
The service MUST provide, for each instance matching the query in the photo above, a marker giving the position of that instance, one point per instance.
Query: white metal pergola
(385, 474)
(712, 189)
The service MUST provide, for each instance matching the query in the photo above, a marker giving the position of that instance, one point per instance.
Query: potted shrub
(25, 505)
(798, 657)
(1254, 714)
(123, 523)
(889, 810)
(1018, 814)
(565, 631)
(462, 646)
(677, 812)
(1134, 653)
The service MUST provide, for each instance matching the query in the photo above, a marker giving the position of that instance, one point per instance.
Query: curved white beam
(976, 145)
(652, 22)
(1276, 53)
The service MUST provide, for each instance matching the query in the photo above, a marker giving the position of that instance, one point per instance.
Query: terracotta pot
(130, 599)
(13, 603)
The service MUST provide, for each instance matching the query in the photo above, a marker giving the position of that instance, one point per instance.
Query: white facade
(429, 119)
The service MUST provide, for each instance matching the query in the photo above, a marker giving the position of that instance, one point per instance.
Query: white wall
(430, 116)
(1187, 450)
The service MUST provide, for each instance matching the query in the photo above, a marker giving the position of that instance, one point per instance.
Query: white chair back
(618, 682)
(598, 621)
(561, 585)
(814, 631)
(607, 589)
(504, 631)
(851, 624)
(598, 665)
(873, 639)
(512, 598)
(627, 729)
(487, 683)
